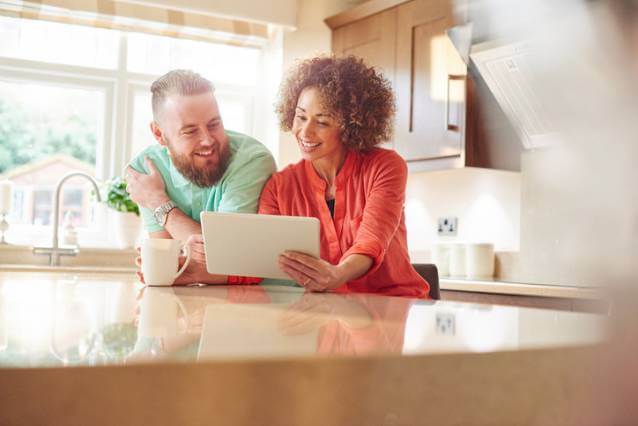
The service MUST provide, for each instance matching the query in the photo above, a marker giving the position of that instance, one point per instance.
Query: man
(197, 165)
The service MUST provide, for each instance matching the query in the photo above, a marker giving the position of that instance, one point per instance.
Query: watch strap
(161, 213)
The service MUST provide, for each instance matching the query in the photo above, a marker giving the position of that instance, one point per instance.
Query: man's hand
(147, 190)
(196, 249)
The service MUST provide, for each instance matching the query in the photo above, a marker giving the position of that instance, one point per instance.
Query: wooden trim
(364, 10)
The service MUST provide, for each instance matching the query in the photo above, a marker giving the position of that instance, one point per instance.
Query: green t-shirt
(249, 167)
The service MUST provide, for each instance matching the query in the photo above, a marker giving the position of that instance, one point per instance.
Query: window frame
(119, 87)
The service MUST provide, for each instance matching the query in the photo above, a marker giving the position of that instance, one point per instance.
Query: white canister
(479, 261)
(441, 258)
(457, 260)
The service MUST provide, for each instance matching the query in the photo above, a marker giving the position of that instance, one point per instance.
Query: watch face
(158, 217)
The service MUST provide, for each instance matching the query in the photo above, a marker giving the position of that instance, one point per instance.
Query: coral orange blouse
(368, 217)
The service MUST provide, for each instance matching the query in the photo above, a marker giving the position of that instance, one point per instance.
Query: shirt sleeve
(383, 210)
(241, 192)
(268, 203)
(150, 224)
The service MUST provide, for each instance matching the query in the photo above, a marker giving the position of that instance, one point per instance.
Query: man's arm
(149, 192)
(160, 234)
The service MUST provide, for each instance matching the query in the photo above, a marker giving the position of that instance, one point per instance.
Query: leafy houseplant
(118, 199)
(127, 221)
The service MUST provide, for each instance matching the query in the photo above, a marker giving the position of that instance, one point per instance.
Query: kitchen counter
(66, 319)
(101, 349)
(519, 289)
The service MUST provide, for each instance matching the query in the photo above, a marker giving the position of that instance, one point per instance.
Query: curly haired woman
(339, 111)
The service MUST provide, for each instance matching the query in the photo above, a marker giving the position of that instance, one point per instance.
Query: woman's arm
(383, 210)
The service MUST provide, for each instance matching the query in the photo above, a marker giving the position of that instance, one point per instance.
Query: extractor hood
(505, 67)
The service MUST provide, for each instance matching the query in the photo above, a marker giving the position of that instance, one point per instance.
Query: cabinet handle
(452, 121)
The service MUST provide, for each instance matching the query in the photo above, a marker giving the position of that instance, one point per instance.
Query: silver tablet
(249, 244)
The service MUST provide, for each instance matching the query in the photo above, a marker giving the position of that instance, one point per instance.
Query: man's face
(192, 129)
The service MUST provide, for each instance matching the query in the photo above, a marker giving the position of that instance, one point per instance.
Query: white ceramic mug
(160, 261)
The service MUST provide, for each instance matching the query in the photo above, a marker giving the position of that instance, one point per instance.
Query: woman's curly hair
(360, 96)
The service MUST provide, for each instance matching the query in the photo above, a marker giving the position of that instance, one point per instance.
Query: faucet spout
(55, 251)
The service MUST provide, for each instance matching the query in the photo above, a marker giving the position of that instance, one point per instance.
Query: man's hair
(177, 82)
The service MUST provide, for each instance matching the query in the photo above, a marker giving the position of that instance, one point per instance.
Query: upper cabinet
(438, 116)
(374, 39)
(430, 84)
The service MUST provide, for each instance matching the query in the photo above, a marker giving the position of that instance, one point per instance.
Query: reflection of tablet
(251, 331)
(249, 245)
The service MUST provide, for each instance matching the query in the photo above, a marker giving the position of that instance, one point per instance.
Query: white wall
(281, 12)
(486, 203)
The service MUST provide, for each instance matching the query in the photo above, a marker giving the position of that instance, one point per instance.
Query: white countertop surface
(66, 319)
(518, 289)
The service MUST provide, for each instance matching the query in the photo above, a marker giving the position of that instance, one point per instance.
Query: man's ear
(157, 133)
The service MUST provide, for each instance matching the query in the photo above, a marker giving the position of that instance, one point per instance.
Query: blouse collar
(346, 170)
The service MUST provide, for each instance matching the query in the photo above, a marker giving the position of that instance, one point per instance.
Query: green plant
(117, 198)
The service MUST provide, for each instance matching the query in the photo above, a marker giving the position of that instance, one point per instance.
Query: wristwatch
(161, 213)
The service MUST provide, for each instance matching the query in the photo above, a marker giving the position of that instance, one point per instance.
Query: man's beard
(203, 177)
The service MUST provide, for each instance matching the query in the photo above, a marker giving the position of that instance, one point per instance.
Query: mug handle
(185, 265)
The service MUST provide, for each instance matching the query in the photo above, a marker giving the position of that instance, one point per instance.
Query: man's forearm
(181, 226)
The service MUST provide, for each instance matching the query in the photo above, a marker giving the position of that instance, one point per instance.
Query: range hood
(505, 68)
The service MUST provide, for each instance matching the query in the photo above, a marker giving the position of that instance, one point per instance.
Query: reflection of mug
(160, 261)
(159, 313)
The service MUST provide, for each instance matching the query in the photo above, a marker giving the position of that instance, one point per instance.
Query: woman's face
(316, 128)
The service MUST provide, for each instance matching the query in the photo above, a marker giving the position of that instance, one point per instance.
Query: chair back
(429, 272)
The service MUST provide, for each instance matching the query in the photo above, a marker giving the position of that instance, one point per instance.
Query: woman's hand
(311, 273)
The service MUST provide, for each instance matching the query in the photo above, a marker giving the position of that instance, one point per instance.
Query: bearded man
(197, 165)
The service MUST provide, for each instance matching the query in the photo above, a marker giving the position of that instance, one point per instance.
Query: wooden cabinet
(373, 39)
(435, 97)
(430, 84)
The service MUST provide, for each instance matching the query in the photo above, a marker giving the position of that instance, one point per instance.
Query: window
(58, 43)
(69, 100)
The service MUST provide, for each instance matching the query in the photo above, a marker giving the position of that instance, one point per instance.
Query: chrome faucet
(55, 251)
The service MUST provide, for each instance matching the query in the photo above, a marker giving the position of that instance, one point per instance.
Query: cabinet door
(430, 83)
(374, 40)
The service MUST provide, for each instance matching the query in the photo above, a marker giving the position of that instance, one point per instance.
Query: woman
(339, 110)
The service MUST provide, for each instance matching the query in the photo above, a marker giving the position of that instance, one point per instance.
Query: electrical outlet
(445, 324)
(448, 225)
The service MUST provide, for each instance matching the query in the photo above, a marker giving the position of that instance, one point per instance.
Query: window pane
(142, 117)
(45, 133)
(222, 64)
(236, 112)
(58, 43)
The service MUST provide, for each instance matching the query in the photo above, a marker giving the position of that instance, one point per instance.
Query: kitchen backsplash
(487, 204)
